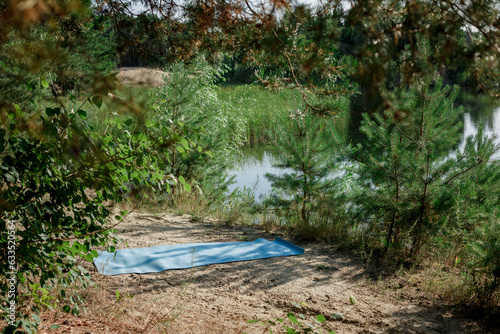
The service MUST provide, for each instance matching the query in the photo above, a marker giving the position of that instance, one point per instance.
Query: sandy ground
(140, 76)
(221, 298)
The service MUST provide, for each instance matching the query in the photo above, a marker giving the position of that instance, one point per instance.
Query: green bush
(187, 105)
(59, 175)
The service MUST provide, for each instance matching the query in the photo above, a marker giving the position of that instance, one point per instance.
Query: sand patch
(141, 76)
(221, 298)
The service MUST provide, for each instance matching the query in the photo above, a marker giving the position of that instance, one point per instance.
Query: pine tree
(409, 178)
(305, 146)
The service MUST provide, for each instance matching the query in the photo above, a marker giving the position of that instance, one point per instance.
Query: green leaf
(44, 83)
(18, 111)
(117, 294)
(10, 178)
(128, 122)
(352, 300)
(148, 123)
(184, 143)
(94, 253)
(55, 326)
(27, 327)
(321, 318)
(82, 114)
(139, 138)
(185, 185)
(97, 100)
(292, 318)
(83, 270)
(66, 308)
(180, 149)
(75, 311)
(252, 321)
(36, 317)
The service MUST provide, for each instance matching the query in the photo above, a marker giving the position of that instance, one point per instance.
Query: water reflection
(482, 111)
(250, 172)
(490, 123)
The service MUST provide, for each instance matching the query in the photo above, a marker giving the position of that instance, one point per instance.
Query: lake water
(256, 162)
(251, 170)
(490, 122)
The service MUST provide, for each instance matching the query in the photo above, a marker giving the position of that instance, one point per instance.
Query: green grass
(262, 107)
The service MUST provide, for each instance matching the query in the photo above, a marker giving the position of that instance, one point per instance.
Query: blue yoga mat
(160, 258)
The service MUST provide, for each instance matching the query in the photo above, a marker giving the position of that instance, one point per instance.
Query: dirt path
(221, 298)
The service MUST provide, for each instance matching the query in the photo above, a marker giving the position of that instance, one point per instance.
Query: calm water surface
(256, 162)
(251, 171)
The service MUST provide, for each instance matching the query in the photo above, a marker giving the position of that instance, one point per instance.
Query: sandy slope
(221, 298)
(140, 76)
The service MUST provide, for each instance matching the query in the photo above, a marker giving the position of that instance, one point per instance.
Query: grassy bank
(261, 107)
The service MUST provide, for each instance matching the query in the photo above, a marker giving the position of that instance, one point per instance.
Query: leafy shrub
(59, 176)
(187, 105)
